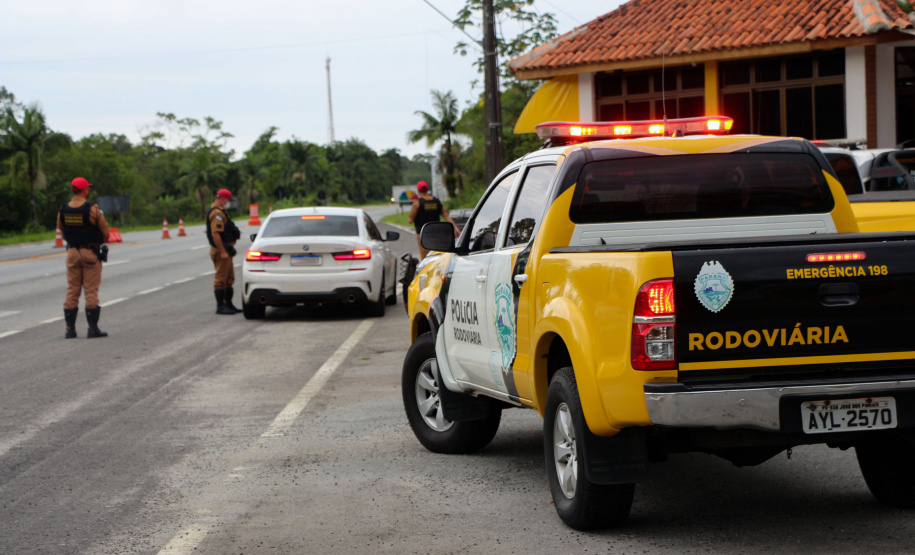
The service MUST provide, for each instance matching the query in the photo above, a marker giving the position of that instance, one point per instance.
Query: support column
(711, 89)
(586, 98)
(856, 93)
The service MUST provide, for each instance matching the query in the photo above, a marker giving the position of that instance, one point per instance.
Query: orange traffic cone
(114, 236)
(181, 232)
(165, 229)
(58, 239)
(254, 219)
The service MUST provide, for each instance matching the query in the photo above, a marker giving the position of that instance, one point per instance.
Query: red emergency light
(566, 132)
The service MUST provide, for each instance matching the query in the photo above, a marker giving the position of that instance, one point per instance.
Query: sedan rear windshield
(687, 187)
(311, 225)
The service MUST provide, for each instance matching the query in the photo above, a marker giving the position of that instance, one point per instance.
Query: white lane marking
(284, 420)
(186, 541)
(153, 290)
(9, 333)
(185, 280)
(116, 262)
(9, 313)
(200, 247)
(52, 320)
(115, 301)
(210, 273)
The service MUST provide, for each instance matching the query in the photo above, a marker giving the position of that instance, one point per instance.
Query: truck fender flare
(561, 317)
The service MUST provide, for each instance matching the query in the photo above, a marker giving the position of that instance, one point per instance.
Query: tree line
(175, 170)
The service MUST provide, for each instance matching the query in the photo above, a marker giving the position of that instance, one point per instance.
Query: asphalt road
(187, 432)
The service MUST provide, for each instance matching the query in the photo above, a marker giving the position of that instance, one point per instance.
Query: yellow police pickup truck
(654, 288)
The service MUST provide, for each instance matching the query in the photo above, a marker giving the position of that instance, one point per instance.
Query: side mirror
(437, 236)
(253, 235)
(392, 236)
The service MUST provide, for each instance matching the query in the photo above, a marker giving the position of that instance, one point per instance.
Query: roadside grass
(398, 219)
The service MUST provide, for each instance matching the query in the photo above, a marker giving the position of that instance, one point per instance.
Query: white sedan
(319, 255)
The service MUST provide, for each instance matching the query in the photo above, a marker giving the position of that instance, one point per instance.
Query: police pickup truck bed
(661, 295)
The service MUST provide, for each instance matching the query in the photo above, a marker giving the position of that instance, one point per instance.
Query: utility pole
(330, 109)
(492, 98)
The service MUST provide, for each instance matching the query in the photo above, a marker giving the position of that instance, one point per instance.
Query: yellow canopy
(555, 100)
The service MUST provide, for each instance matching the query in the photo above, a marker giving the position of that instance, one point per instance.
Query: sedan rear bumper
(274, 297)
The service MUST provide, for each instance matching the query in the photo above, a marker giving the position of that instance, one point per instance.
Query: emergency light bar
(558, 133)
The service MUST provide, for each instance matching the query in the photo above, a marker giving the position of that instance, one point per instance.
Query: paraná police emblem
(714, 286)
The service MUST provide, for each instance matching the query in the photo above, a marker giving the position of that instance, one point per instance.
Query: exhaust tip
(351, 298)
(262, 299)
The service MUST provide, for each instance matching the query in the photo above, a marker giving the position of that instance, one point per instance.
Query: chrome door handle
(521, 279)
(480, 279)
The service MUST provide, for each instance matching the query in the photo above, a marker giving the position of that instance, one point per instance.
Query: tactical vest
(77, 228)
(429, 211)
(230, 232)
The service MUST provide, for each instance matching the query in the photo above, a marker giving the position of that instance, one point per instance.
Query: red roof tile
(641, 29)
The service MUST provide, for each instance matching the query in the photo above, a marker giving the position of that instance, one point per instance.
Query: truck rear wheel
(579, 503)
(420, 385)
(886, 462)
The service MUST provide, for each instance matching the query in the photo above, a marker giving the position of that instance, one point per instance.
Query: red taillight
(653, 344)
(258, 256)
(358, 254)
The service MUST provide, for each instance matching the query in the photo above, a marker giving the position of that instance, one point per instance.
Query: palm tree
(201, 171)
(299, 160)
(26, 142)
(253, 172)
(440, 128)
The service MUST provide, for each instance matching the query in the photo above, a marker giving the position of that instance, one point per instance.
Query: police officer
(84, 227)
(427, 209)
(222, 234)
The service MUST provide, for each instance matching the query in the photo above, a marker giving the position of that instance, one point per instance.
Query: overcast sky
(108, 66)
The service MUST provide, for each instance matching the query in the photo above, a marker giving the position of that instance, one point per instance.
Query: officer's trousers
(225, 270)
(84, 273)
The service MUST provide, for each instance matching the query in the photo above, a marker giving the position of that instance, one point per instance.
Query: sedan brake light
(358, 254)
(258, 256)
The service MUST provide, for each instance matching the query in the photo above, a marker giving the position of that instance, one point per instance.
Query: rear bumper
(292, 288)
(274, 297)
(762, 408)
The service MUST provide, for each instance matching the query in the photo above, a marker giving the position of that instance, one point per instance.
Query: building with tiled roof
(781, 67)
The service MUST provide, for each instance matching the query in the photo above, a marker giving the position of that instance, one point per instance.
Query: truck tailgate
(808, 306)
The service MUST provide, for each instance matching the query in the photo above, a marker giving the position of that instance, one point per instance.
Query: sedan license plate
(846, 415)
(306, 260)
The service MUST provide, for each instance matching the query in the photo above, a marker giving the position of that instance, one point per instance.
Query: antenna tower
(330, 109)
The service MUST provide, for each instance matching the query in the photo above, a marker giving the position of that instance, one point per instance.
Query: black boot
(92, 315)
(70, 319)
(229, 294)
(221, 307)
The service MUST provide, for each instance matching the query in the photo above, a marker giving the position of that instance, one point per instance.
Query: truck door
(505, 285)
(468, 336)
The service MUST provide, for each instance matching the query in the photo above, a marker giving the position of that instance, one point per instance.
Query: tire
(421, 402)
(886, 462)
(253, 311)
(376, 308)
(579, 503)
